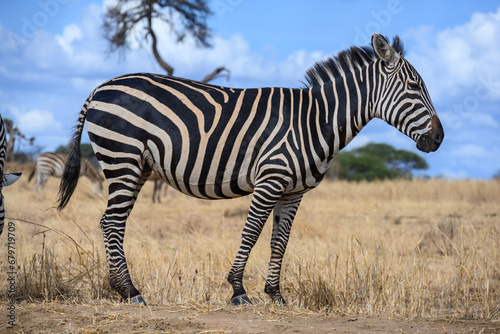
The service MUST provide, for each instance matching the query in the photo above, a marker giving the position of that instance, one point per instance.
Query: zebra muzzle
(431, 140)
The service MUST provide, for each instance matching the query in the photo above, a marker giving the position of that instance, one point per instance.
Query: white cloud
(35, 121)
(70, 34)
(43, 52)
(461, 57)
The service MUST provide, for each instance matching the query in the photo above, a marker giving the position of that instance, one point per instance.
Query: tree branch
(216, 73)
(185, 17)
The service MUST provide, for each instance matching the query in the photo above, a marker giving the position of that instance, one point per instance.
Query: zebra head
(402, 99)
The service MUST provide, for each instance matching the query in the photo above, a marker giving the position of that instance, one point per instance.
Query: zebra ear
(8, 179)
(384, 50)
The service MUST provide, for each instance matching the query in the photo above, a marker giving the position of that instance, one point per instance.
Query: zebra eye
(413, 85)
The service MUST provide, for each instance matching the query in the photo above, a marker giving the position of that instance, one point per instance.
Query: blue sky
(52, 55)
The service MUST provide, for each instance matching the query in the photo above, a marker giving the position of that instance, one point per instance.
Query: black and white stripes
(213, 142)
(5, 179)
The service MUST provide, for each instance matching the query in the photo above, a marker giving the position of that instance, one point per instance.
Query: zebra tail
(72, 169)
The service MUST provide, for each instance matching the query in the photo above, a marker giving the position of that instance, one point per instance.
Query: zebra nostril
(438, 137)
(437, 130)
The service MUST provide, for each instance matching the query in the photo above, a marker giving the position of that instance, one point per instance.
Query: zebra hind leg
(40, 181)
(284, 213)
(157, 191)
(122, 197)
(264, 198)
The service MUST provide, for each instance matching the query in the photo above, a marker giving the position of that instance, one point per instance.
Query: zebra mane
(345, 61)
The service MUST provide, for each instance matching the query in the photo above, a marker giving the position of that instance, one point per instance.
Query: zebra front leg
(284, 213)
(264, 198)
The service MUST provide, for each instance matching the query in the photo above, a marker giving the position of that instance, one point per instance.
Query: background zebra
(52, 164)
(5, 179)
(158, 185)
(213, 142)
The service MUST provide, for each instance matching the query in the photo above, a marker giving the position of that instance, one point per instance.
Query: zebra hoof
(241, 300)
(279, 300)
(138, 300)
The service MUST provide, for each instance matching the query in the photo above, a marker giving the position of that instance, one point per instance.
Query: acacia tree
(377, 162)
(185, 17)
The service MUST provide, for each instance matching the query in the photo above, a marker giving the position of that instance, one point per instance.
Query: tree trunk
(10, 145)
(159, 59)
(170, 70)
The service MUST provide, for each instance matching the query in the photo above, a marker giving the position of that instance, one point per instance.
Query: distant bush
(376, 162)
(86, 148)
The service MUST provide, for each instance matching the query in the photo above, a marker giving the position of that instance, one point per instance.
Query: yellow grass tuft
(398, 249)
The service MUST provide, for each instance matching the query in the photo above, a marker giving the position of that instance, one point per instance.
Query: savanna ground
(389, 257)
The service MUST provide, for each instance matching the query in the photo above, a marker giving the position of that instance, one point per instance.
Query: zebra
(213, 142)
(158, 185)
(5, 179)
(49, 164)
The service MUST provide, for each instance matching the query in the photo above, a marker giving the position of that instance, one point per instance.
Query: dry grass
(397, 249)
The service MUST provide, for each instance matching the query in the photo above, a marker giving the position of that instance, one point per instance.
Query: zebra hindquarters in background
(50, 164)
(5, 179)
(47, 164)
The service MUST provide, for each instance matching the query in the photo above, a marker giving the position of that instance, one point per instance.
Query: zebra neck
(347, 109)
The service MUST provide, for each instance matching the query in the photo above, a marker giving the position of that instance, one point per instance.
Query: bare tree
(185, 17)
(14, 134)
